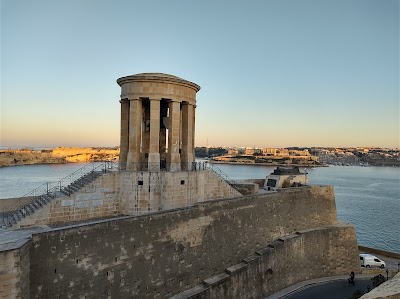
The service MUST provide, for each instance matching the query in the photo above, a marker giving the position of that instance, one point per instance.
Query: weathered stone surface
(388, 290)
(162, 254)
(132, 193)
(157, 102)
(158, 255)
(314, 253)
(14, 273)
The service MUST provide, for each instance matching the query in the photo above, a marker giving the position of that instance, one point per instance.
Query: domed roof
(157, 77)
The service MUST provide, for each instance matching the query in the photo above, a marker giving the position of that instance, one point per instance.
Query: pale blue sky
(273, 73)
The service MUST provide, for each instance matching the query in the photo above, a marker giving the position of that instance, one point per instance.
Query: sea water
(368, 197)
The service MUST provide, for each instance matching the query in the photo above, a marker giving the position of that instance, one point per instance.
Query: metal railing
(50, 190)
(163, 166)
(224, 176)
(43, 194)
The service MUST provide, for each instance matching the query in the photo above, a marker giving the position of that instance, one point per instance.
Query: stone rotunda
(157, 122)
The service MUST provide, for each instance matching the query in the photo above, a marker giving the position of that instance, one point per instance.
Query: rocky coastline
(59, 155)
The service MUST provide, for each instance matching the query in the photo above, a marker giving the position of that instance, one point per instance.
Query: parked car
(369, 260)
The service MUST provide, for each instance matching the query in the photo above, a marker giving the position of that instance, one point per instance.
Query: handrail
(163, 166)
(51, 190)
(224, 176)
(54, 189)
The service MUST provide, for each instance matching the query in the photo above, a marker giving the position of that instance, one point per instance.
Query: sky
(272, 73)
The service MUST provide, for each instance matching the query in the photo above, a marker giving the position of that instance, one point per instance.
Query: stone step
(15, 218)
(30, 208)
(38, 203)
(34, 205)
(78, 184)
(74, 187)
(20, 214)
(66, 192)
(46, 198)
(27, 211)
(2, 222)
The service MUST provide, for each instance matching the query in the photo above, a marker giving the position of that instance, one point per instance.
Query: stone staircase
(80, 183)
(223, 176)
(46, 193)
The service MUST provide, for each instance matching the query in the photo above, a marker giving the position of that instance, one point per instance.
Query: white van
(369, 260)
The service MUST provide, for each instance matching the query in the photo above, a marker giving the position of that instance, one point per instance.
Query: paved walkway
(15, 238)
(335, 285)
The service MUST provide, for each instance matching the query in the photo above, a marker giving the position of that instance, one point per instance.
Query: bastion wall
(15, 272)
(308, 254)
(161, 254)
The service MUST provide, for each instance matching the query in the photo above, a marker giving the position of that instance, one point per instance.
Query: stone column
(135, 134)
(163, 145)
(124, 141)
(173, 157)
(154, 146)
(193, 131)
(145, 132)
(187, 136)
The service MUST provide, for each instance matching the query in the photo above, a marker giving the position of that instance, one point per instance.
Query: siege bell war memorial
(151, 104)
(160, 225)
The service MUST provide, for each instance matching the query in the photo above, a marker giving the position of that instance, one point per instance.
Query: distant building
(233, 152)
(269, 151)
(283, 152)
(253, 151)
(299, 153)
(285, 178)
(249, 151)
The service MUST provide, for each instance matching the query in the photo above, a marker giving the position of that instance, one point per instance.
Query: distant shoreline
(267, 164)
(58, 155)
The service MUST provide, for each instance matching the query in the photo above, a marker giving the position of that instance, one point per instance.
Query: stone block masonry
(161, 254)
(320, 252)
(128, 193)
(15, 272)
(132, 193)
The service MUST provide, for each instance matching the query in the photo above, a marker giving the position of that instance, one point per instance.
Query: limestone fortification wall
(14, 272)
(308, 254)
(132, 193)
(161, 254)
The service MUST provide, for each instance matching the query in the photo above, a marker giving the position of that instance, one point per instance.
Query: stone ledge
(191, 293)
(217, 279)
(236, 268)
(207, 285)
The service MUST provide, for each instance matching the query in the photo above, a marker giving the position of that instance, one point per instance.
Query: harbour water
(368, 197)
